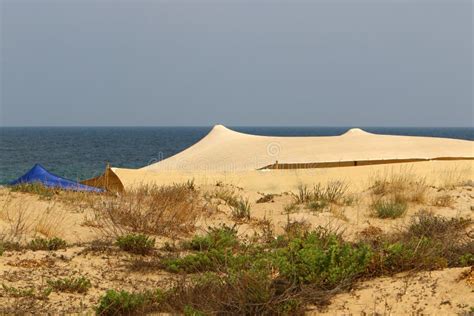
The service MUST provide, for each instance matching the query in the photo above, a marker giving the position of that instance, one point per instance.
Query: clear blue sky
(331, 63)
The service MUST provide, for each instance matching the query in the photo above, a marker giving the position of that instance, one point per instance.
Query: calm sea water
(80, 152)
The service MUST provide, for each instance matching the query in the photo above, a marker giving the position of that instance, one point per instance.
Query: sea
(82, 152)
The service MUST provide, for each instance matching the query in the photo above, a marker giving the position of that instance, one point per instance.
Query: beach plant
(214, 251)
(425, 223)
(303, 194)
(136, 243)
(219, 237)
(466, 259)
(402, 185)
(127, 303)
(389, 208)
(34, 188)
(296, 228)
(17, 215)
(164, 211)
(51, 244)
(333, 192)
(317, 205)
(290, 208)
(324, 260)
(227, 195)
(241, 209)
(72, 285)
(322, 197)
(427, 242)
(30, 292)
(417, 253)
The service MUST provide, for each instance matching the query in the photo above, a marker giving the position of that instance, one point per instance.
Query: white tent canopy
(227, 150)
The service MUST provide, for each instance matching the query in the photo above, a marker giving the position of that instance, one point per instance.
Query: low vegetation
(428, 242)
(400, 185)
(29, 292)
(126, 303)
(389, 208)
(320, 198)
(54, 243)
(241, 209)
(225, 194)
(71, 285)
(216, 238)
(136, 243)
(163, 211)
(34, 188)
(225, 273)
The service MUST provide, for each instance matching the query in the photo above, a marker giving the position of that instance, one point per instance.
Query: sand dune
(275, 181)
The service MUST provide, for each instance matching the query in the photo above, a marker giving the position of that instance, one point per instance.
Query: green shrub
(216, 238)
(448, 238)
(47, 244)
(324, 261)
(418, 253)
(8, 245)
(243, 292)
(241, 209)
(317, 205)
(214, 251)
(430, 225)
(389, 208)
(136, 243)
(467, 259)
(73, 285)
(126, 303)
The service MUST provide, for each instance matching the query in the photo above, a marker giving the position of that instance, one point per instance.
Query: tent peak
(356, 131)
(221, 129)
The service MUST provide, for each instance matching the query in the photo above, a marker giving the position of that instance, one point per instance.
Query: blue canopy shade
(38, 174)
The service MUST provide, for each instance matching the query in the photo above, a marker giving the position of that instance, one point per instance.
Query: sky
(237, 63)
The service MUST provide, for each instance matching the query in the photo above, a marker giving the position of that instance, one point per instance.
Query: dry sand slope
(446, 187)
(444, 292)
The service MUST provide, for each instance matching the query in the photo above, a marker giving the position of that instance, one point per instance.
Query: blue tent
(46, 178)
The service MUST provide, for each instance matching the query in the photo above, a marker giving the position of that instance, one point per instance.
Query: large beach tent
(38, 174)
(227, 150)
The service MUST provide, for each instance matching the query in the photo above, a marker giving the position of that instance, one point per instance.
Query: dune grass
(323, 197)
